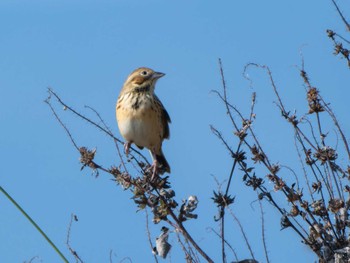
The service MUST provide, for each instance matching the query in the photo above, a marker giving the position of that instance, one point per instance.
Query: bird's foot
(127, 148)
(154, 169)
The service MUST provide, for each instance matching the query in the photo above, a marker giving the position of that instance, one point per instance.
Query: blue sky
(84, 50)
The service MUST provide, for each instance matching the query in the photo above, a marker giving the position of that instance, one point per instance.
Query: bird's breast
(138, 121)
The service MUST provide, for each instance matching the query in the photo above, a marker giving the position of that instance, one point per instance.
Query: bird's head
(142, 79)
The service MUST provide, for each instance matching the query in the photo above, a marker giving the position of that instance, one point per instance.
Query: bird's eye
(144, 73)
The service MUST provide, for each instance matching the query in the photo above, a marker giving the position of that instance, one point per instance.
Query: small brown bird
(142, 118)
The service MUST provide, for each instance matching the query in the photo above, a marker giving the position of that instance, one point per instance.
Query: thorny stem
(34, 224)
(222, 214)
(243, 232)
(335, 179)
(222, 208)
(304, 169)
(297, 135)
(263, 232)
(223, 254)
(233, 168)
(268, 196)
(329, 165)
(329, 220)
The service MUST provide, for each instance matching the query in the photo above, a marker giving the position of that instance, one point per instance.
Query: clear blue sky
(85, 49)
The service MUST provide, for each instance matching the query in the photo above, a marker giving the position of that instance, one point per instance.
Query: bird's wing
(165, 119)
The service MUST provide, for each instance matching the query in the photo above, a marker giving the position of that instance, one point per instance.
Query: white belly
(139, 131)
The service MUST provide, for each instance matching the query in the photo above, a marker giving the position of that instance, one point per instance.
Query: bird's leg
(154, 167)
(127, 147)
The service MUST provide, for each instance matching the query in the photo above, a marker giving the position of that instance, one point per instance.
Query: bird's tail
(163, 163)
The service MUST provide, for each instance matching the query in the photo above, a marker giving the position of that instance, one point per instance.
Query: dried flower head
(316, 231)
(330, 33)
(86, 158)
(254, 182)
(122, 178)
(294, 211)
(293, 195)
(335, 204)
(285, 222)
(222, 200)
(314, 101)
(319, 208)
(308, 158)
(326, 154)
(316, 187)
(258, 156)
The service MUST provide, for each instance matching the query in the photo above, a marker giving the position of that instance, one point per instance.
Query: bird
(142, 118)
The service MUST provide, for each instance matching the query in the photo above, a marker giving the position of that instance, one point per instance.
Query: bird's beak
(157, 75)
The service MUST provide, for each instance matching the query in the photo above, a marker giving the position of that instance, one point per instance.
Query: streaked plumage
(142, 118)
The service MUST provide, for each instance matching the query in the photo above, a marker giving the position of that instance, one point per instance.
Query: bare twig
(187, 253)
(109, 130)
(193, 253)
(149, 235)
(111, 256)
(228, 110)
(243, 232)
(66, 107)
(336, 123)
(72, 251)
(226, 242)
(341, 15)
(125, 259)
(48, 102)
(32, 259)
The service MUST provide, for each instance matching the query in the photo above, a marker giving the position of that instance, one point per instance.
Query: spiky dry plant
(319, 216)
